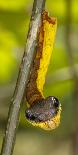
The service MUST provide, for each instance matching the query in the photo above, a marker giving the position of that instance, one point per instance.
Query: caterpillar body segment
(43, 112)
(48, 32)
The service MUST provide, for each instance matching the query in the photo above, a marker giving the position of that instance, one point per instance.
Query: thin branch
(69, 43)
(61, 75)
(13, 116)
(71, 60)
(6, 91)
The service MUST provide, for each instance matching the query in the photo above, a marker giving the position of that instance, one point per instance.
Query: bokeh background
(61, 80)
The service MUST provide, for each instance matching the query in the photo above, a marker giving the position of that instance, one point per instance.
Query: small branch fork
(14, 111)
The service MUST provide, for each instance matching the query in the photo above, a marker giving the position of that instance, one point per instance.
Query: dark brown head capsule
(43, 110)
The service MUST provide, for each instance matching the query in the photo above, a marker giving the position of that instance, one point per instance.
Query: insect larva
(43, 112)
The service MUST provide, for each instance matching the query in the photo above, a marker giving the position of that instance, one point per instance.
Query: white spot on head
(52, 98)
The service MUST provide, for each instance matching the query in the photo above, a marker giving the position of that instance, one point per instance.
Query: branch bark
(14, 111)
(74, 74)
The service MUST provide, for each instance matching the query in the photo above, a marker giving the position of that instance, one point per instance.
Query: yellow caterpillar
(43, 112)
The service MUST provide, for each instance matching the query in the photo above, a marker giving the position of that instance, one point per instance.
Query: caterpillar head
(45, 113)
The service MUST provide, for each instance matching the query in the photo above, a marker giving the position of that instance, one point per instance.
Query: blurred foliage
(14, 22)
(14, 5)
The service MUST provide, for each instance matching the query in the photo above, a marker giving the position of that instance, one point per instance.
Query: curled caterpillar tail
(43, 112)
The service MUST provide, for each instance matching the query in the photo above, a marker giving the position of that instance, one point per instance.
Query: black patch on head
(43, 110)
(56, 102)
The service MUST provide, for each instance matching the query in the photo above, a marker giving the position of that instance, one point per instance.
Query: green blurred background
(61, 80)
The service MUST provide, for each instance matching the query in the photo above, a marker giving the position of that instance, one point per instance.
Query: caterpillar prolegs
(43, 112)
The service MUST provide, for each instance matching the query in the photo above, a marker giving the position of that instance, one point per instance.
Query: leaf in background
(14, 4)
(7, 58)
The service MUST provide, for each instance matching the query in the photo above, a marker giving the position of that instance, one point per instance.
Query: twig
(6, 91)
(68, 40)
(61, 75)
(13, 116)
(70, 50)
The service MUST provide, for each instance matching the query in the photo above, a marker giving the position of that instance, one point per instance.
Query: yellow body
(49, 30)
(49, 37)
